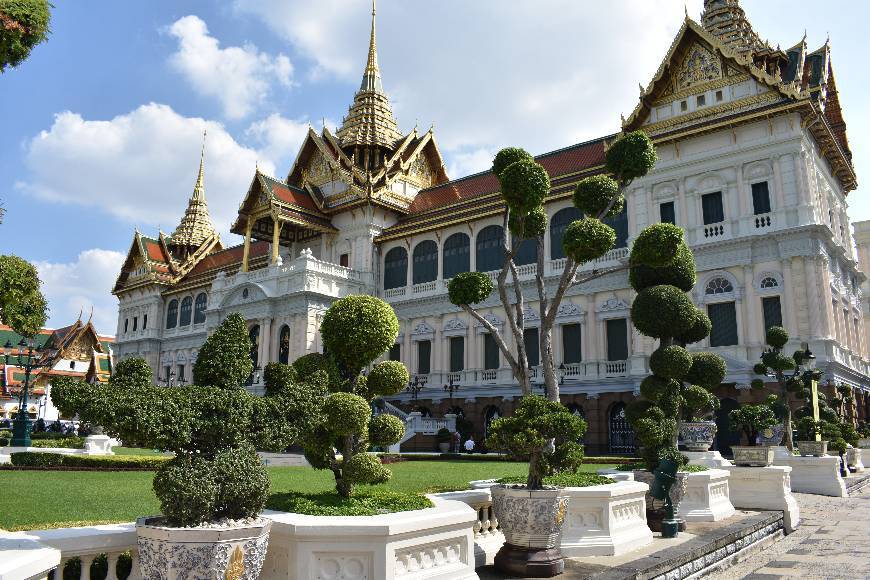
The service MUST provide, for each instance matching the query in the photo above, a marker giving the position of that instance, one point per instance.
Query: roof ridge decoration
(196, 226)
(726, 20)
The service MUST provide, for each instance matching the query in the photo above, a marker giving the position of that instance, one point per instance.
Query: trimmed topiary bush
(225, 359)
(528, 226)
(663, 311)
(358, 329)
(680, 272)
(386, 430)
(594, 194)
(509, 156)
(708, 370)
(469, 288)
(387, 378)
(631, 156)
(657, 245)
(699, 330)
(587, 239)
(131, 372)
(777, 336)
(524, 185)
(670, 362)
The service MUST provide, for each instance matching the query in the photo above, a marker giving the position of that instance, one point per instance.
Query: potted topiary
(212, 492)
(806, 430)
(753, 420)
(443, 437)
(697, 430)
(531, 515)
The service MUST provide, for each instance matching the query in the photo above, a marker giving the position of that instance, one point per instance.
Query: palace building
(754, 165)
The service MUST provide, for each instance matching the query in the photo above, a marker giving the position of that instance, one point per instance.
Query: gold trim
(763, 98)
(698, 89)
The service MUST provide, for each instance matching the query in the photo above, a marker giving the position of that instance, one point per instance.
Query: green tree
(752, 419)
(23, 25)
(355, 331)
(680, 387)
(131, 371)
(525, 185)
(225, 358)
(22, 305)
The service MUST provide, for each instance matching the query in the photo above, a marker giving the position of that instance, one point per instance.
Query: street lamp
(416, 385)
(562, 369)
(168, 380)
(451, 387)
(29, 361)
(534, 382)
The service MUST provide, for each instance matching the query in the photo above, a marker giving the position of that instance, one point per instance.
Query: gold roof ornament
(727, 21)
(196, 225)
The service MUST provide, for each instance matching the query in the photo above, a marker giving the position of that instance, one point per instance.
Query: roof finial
(686, 9)
(199, 188)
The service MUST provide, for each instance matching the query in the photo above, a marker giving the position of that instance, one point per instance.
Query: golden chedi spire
(727, 21)
(195, 226)
(369, 121)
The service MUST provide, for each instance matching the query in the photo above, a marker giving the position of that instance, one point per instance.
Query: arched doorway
(725, 436)
(620, 431)
(578, 411)
(489, 415)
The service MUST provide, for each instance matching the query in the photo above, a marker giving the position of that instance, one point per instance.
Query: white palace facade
(754, 165)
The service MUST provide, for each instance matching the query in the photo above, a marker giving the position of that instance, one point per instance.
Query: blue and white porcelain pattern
(530, 519)
(772, 436)
(697, 435)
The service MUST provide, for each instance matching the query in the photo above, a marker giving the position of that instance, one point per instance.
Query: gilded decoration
(699, 67)
(319, 170)
(421, 172)
(732, 107)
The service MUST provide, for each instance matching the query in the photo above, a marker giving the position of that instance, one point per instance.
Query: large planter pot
(697, 435)
(758, 456)
(531, 521)
(233, 552)
(772, 436)
(654, 513)
(864, 443)
(444, 447)
(812, 448)
(853, 460)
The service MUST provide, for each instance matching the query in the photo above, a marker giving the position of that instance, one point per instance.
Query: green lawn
(135, 451)
(49, 499)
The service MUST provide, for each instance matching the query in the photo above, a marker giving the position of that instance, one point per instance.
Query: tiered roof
(195, 227)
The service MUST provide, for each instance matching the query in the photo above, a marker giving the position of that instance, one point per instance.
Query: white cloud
(78, 286)
(239, 77)
(469, 162)
(279, 139)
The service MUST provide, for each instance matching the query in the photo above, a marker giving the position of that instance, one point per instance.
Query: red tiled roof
(295, 196)
(229, 256)
(155, 251)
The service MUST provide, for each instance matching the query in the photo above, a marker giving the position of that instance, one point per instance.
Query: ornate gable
(700, 66)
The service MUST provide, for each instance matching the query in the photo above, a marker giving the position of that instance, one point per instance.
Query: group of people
(458, 445)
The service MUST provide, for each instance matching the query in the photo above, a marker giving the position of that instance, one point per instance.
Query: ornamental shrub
(225, 359)
(777, 336)
(698, 403)
(699, 330)
(387, 378)
(663, 311)
(346, 414)
(587, 239)
(358, 329)
(509, 156)
(594, 194)
(524, 185)
(187, 490)
(680, 272)
(708, 370)
(385, 430)
(22, 305)
(632, 156)
(752, 419)
(365, 469)
(469, 288)
(307, 365)
(670, 362)
(531, 225)
(131, 372)
(23, 25)
(244, 483)
(657, 245)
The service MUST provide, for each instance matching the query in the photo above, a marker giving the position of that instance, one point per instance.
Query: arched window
(457, 255)
(172, 314)
(425, 262)
(527, 253)
(558, 225)
(769, 282)
(718, 286)
(620, 431)
(396, 268)
(186, 310)
(199, 308)
(490, 249)
(489, 415)
(284, 345)
(619, 223)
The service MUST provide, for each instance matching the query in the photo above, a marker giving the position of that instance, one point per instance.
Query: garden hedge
(105, 462)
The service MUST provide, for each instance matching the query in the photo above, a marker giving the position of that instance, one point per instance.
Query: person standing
(469, 445)
(457, 442)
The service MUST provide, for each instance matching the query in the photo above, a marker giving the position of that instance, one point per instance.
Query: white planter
(812, 448)
(864, 443)
(853, 459)
(766, 488)
(757, 456)
(26, 558)
(176, 553)
(617, 475)
(99, 445)
(605, 520)
(678, 489)
(712, 459)
(434, 543)
(707, 497)
(530, 518)
(819, 475)
(697, 435)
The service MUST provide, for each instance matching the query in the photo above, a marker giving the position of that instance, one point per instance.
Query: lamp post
(29, 361)
(808, 365)
(451, 387)
(562, 372)
(168, 380)
(415, 385)
(535, 382)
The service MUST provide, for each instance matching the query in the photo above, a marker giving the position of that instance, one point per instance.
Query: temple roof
(726, 20)
(196, 226)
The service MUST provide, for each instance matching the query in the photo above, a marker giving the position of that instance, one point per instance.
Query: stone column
(742, 194)
(754, 322)
(265, 341)
(789, 305)
(823, 279)
(778, 193)
(813, 299)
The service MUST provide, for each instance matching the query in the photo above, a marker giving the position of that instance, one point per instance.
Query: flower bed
(27, 459)
(362, 503)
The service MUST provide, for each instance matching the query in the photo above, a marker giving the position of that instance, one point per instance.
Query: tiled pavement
(833, 541)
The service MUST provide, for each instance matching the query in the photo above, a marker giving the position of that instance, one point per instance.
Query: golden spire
(199, 188)
(195, 226)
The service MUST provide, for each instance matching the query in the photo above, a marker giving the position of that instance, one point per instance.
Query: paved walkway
(833, 541)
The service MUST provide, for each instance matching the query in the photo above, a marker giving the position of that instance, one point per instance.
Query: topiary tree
(662, 273)
(23, 25)
(753, 419)
(131, 372)
(211, 429)
(22, 305)
(225, 358)
(525, 185)
(546, 432)
(355, 331)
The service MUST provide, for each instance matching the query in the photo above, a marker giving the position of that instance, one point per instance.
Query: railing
(391, 409)
(416, 423)
(713, 231)
(488, 537)
(615, 368)
(489, 375)
(763, 221)
(527, 270)
(393, 292)
(425, 287)
(455, 378)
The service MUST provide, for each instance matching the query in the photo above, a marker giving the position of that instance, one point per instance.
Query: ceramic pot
(772, 436)
(697, 435)
(812, 448)
(444, 447)
(758, 456)
(228, 552)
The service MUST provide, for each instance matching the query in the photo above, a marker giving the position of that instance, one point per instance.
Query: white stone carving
(707, 497)
(819, 475)
(613, 304)
(568, 309)
(423, 328)
(455, 324)
(766, 488)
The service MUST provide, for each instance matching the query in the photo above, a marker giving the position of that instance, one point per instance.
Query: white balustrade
(393, 292)
(615, 368)
(713, 232)
(489, 376)
(488, 538)
(763, 221)
(527, 270)
(425, 287)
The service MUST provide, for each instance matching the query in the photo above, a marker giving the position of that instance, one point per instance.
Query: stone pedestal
(853, 460)
(98, 445)
(707, 497)
(766, 488)
(819, 475)
(711, 459)
(617, 475)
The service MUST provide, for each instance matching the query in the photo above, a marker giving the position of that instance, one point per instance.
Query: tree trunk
(535, 480)
(788, 433)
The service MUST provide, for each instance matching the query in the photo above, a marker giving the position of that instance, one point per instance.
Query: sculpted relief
(700, 66)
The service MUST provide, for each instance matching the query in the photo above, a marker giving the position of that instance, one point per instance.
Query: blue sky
(100, 130)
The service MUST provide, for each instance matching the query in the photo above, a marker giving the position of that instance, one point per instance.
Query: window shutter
(457, 354)
(424, 357)
(760, 198)
(617, 339)
(571, 346)
(666, 212)
(724, 319)
(711, 205)
(490, 353)
(772, 311)
(533, 352)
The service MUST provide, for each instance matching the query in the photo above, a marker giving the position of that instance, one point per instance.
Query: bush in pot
(754, 420)
(531, 515)
(443, 437)
(216, 477)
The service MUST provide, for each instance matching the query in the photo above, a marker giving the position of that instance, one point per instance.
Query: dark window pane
(186, 311)
(558, 225)
(666, 211)
(760, 198)
(425, 262)
(772, 311)
(144, 321)
(424, 356)
(396, 352)
(490, 352)
(135, 323)
(571, 346)
(489, 249)
(344, 260)
(457, 255)
(527, 253)
(172, 314)
(126, 324)
(199, 308)
(617, 339)
(254, 335)
(724, 319)
(457, 354)
(533, 351)
(711, 205)
(619, 223)
(396, 269)
(284, 345)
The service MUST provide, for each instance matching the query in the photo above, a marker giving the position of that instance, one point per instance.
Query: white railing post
(86, 561)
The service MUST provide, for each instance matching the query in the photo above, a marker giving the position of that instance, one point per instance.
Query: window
(425, 262)
(711, 206)
(719, 96)
(617, 339)
(186, 311)
(533, 351)
(344, 260)
(560, 222)
(254, 335)
(489, 249)
(172, 314)
(718, 286)
(619, 223)
(72, 365)
(666, 213)
(772, 311)
(457, 354)
(571, 346)
(135, 323)
(167, 370)
(144, 321)
(396, 269)
(723, 316)
(179, 374)
(527, 253)
(702, 100)
(424, 357)
(769, 282)
(396, 352)
(684, 106)
(457, 255)
(760, 198)
(199, 308)
(284, 345)
(126, 325)
(490, 353)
